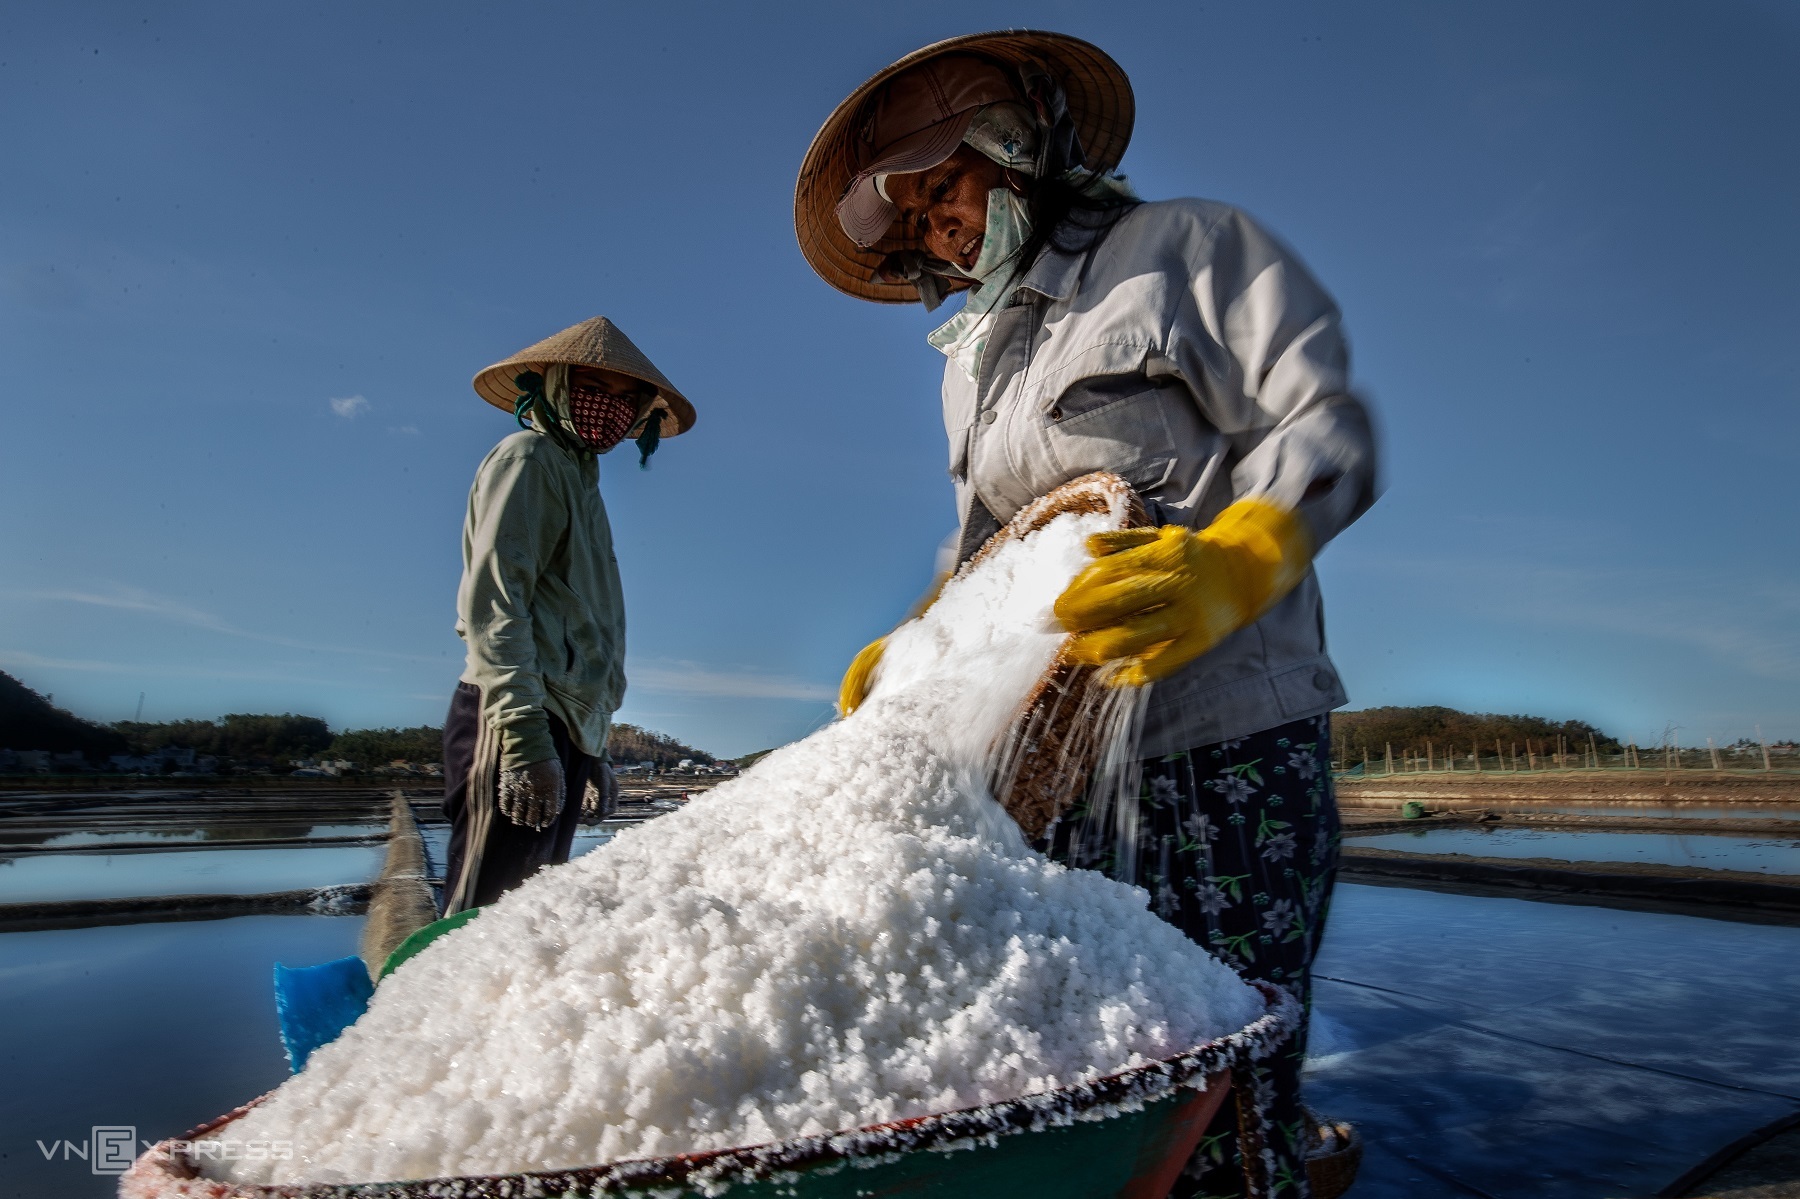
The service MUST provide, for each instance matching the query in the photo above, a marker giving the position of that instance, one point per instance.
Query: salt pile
(851, 932)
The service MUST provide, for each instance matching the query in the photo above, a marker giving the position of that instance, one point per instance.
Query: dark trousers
(1237, 844)
(497, 854)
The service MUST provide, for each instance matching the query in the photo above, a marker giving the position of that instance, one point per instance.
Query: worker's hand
(1156, 599)
(860, 677)
(532, 796)
(601, 797)
(861, 674)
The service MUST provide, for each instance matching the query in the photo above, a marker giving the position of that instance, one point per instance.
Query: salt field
(1670, 811)
(587, 837)
(84, 839)
(1523, 1050)
(1702, 851)
(156, 1027)
(51, 877)
(1220, 626)
(1484, 1046)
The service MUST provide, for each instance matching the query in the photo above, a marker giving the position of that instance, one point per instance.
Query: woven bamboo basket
(1331, 1165)
(1043, 763)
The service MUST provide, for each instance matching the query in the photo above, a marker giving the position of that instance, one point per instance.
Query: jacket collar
(1055, 275)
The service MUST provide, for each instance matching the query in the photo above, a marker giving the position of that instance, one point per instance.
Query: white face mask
(964, 336)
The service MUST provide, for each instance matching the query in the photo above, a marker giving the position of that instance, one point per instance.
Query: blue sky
(250, 256)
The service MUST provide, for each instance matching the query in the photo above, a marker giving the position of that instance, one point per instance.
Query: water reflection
(588, 837)
(50, 877)
(1674, 811)
(1706, 851)
(156, 1026)
(365, 830)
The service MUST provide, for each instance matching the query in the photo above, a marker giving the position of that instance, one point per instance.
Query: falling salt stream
(854, 931)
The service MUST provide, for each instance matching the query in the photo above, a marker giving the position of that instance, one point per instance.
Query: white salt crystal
(852, 932)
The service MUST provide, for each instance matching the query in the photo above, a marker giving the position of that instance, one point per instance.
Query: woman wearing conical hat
(540, 607)
(1176, 344)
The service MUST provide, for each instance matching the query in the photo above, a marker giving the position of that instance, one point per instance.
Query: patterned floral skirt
(1237, 844)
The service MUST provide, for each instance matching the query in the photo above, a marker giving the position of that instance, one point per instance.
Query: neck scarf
(1008, 134)
(544, 401)
(964, 336)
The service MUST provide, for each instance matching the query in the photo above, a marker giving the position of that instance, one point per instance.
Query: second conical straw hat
(596, 342)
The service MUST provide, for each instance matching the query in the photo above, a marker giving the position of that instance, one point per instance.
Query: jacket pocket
(1116, 423)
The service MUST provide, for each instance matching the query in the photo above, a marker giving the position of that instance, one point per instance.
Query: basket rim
(1201, 1067)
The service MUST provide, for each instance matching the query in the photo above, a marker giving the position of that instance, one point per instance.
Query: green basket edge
(421, 937)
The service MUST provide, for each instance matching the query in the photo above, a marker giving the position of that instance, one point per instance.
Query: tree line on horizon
(1408, 730)
(28, 721)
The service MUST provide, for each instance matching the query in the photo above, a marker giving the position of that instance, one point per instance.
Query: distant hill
(241, 737)
(630, 744)
(278, 738)
(28, 721)
(378, 747)
(1408, 729)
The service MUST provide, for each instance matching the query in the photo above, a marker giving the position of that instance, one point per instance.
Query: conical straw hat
(1100, 102)
(596, 342)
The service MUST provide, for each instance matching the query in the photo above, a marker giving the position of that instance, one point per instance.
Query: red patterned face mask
(601, 418)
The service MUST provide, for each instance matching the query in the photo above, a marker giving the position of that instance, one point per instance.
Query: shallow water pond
(156, 1027)
(50, 877)
(212, 835)
(1526, 1050)
(587, 837)
(1673, 811)
(1705, 851)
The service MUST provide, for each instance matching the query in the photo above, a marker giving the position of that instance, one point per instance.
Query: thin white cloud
(689, 678)
(18, 659)
(349, 407)
(133, 599)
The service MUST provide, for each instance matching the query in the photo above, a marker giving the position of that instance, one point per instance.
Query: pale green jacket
(540, 607)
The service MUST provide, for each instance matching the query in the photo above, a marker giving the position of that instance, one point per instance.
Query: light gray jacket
(1192, 354)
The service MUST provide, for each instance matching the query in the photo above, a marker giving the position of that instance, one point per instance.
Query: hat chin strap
(929, 276)
(1059, 149)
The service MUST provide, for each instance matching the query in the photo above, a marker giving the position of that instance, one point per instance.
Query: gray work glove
(601, 798)
(532, 796)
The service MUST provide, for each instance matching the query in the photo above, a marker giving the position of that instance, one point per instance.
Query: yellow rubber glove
(861, 674)
(1156, 599)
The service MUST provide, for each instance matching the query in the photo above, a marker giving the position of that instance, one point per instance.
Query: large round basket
(1126, 1135)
